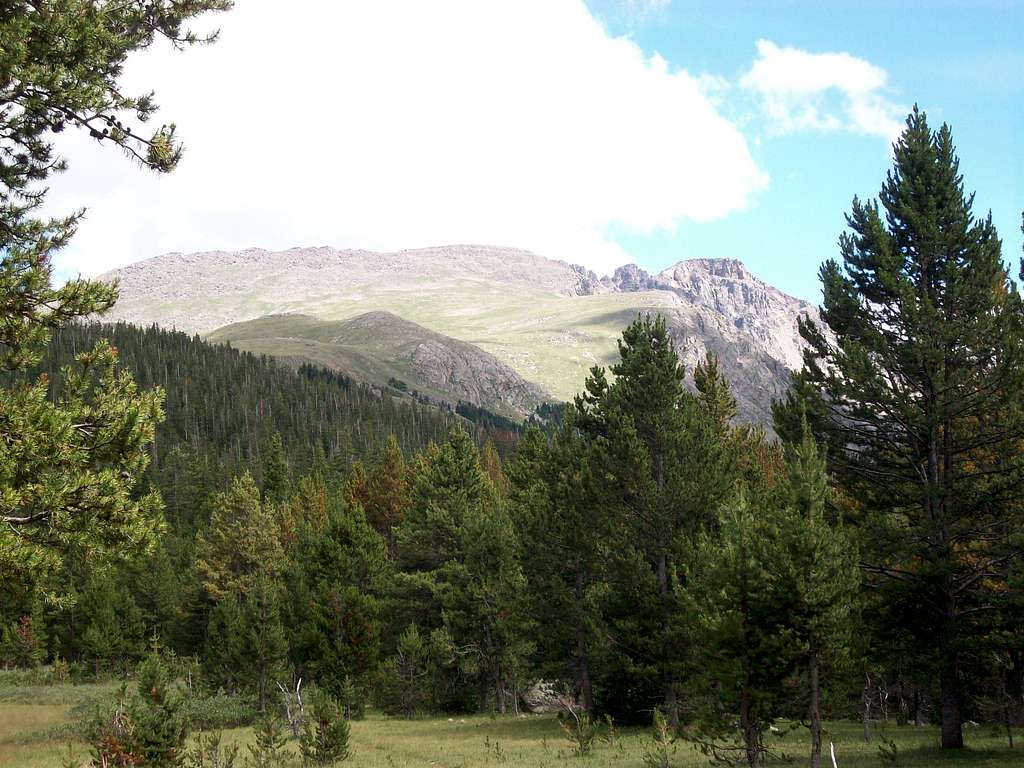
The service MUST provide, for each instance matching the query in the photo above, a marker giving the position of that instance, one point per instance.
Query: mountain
(381, 348)
(547, 320)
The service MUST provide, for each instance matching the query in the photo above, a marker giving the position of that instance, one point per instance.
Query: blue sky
(963, 63)
(595, 132)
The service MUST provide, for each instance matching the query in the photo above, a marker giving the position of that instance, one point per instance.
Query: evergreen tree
(69, 466)
(268, 749)
(224, 659)
(743, 588)
(449, 483)
(406, 680)
(265, 643)
(333, 607)
(921, 379)
(150, 728)
(490, 462)
(828, 579)
(480, 599)
(714, 393)
(324, 740)
(276, 474)
(243, 541)
(114, 631)
(385, 495)
(459, 556)
(557, 511)
(667, 470)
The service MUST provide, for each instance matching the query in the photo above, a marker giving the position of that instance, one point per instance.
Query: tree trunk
(866, 701)
(952, 718)
(916, 713)
(584, 686)
(815, 709)
(671, 703)
(751, 739)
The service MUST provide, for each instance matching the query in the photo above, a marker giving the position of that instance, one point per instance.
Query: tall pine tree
(919, 376)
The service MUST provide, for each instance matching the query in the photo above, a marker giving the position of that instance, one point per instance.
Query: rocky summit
(541, 323)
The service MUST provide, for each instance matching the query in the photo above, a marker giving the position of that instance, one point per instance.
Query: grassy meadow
(35, 729)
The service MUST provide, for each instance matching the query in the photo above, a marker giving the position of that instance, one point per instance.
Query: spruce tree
(920, 379)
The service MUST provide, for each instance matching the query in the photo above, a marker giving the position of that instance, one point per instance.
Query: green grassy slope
(380, 347)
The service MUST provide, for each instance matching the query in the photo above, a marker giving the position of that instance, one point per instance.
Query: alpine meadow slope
(547, 320)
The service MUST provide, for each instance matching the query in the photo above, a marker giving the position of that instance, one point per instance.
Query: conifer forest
(211, 557)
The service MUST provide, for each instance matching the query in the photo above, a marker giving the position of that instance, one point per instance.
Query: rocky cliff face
(547, 321)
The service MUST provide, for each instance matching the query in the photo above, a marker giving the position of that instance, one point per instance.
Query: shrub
(662, 747)
(208, 753)
(220, 710)
(579, 729)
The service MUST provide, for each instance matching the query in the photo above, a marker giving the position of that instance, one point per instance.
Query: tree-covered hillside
(224, 406)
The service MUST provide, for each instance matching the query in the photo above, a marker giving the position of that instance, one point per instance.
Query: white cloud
(802, 91)
(387, 124)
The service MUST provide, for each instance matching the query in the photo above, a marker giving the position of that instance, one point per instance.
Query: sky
(598, 132)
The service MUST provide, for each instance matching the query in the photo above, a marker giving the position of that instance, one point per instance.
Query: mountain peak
(732, 269)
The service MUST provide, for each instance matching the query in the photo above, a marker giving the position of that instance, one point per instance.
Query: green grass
(32, 736)
(548, 339)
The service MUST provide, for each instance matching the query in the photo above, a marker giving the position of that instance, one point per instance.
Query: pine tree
(276, 474)
(333, 608)
(114, 631)
(268, 749)
(921, 377)
(459, 556)
(449, 483)
(714, 393)
(490, 461)
(242, 541)
(385, 498)
(828, 579)
(266, 646)
(224, 660)
(406, 679)
(69, 466)
(554, 502)
(664, 466)
(150, 728)
(743, 587)
(324, 740)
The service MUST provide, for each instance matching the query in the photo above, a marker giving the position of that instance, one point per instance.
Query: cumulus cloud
(386, 124)
(803, 91)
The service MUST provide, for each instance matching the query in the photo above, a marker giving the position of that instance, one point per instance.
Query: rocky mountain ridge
(548, 321)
